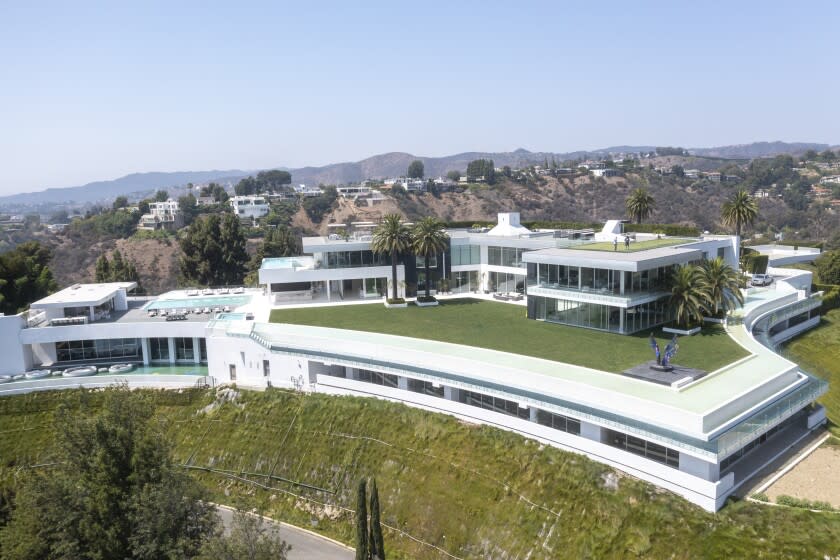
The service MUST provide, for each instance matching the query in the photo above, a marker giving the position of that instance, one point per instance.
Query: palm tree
(687, 297)
(392, 237)
(721, 283)
(640, 204)
(739, 210)
(428, 238)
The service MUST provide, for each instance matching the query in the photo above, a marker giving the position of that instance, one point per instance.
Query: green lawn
(634, 245)
(501, 326)
(474, 491)
(818, 352)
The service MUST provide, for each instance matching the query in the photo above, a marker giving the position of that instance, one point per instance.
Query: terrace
(635, 246)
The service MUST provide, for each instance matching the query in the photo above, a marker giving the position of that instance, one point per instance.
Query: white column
(533, 413)
(328, 282)
(196, 350)
(402, 383)
(171, 342)
(91, 318)
(450, 393)
(144, 347)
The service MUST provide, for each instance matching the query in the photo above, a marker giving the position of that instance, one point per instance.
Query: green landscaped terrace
(504, 327)
(635, 246)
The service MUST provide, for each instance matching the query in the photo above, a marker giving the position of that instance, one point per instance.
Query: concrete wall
(17, 358)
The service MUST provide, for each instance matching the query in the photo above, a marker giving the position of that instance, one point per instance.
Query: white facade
(249, 207)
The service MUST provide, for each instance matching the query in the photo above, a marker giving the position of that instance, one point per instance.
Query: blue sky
(92, 91)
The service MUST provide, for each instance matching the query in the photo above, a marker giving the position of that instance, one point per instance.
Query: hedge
(758, 263)
(675, 230)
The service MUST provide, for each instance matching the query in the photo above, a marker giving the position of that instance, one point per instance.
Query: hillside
(473, 491)
(375, 167)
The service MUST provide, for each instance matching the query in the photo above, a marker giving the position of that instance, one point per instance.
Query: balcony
(594, 295)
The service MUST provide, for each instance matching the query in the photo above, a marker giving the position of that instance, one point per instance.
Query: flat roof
(617, 260)
(84, 294)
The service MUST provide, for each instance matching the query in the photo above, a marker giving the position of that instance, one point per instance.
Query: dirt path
(812, 479)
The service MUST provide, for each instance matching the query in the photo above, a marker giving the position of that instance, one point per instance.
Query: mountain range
(379, 166)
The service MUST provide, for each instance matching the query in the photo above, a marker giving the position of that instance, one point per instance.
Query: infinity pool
(198, 301)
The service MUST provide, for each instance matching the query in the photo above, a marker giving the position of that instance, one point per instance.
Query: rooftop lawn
(635, 246)
(501, 326)
(816, 351)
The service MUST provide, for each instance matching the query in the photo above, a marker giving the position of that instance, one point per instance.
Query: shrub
(758, 263)
(424, 299)
(675, 230)
(396, 301)
(761, 497)
(790, 501)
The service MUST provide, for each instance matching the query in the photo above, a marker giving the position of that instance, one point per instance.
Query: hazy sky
(92, 91)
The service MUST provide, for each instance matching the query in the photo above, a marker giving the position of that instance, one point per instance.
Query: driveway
(306, 545)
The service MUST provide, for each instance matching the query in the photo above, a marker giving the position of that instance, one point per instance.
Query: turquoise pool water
(198, 301)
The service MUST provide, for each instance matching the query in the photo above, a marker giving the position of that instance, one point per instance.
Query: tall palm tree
(721, 283)
(640, 204)
(687, 297)
(391, 237)
(428, 238)
(739, 210)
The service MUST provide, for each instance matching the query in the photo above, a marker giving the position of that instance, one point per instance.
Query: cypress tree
(362, 551)
(377, 544)
(103, 269)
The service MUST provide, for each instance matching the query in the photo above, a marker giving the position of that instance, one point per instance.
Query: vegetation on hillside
(24, 276)
(474, 491)
(213, 252)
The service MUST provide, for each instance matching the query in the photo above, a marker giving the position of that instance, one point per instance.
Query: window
(266, 368)
(159, 349)
(465, 254)
(495, 404)
(377, 378)
(184, 349)
(558, 422)
(103, 349)
(644, 448)
(425, 387)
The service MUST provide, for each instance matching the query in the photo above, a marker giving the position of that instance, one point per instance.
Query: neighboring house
(249, 207)
(830, 180)
(164, 215)
(306, 192)
(692, 173)
(714, 177)
(606, 172)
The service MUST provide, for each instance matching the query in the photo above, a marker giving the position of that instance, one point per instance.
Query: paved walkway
(306, 545)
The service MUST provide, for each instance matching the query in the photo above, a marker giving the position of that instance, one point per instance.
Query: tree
(120, 202)
(250, 538)
(188, 205)
(317, 206)
(453, 175)
(102, 269)
(377, 543)
(482, 168)
(507, 171)
(687, 298)
(741, 209)
(415, 169)
(721, 284)
(428, 238)
(278, 242)
(391, 237)
(25, 276)
(640, 204)
(116, 492)
(828, 267)
(213, 252)
(678, 171)
(161, 195)
(362, 545)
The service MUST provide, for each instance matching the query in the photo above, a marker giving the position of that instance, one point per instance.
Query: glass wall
(464, 281)
(505, 282)
(425, 387)
(645, 315)
(377, 378)
(106, 349)
(652, 280)
(159, 349)
(350, 259)
(558, 422)
(647, 449)
(564, 277)
(590, 315)
(505, 256)
(184, 349)
(375, 286)
(465, 254)
(495, 404)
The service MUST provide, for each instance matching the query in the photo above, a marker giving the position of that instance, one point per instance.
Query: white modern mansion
(699, 438)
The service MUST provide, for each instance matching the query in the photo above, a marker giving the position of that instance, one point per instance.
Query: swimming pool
(193, 302)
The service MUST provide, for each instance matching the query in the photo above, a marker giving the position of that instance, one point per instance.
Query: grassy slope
(818, 352)
(488, 324)
(492, 494)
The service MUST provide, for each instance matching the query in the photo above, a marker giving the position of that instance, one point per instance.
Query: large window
(495, 404)
(184, 349)
(647, 449)
(350, 259)
(464, 281)
(505, 256)
(505, 282)
(579, 314)
(562, 277)
(104, 349)
(159, 349)
(425, 387)
(466, 254)
(378, 378)
(558, 422)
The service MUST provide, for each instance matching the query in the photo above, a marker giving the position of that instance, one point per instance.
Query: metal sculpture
(670, 351)
(655, 347)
